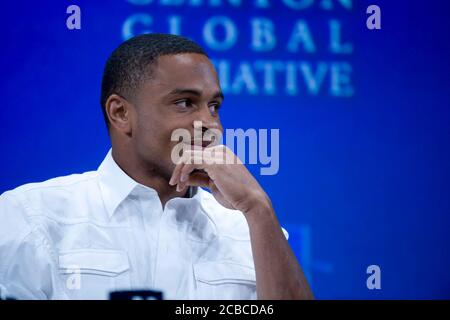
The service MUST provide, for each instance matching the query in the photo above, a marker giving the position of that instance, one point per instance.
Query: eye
(214, 107)
(184, 103)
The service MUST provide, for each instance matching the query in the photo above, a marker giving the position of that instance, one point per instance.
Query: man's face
(183, 88)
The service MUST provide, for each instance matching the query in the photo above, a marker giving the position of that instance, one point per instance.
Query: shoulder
(58, 184)
(51, 196)
(26, 211)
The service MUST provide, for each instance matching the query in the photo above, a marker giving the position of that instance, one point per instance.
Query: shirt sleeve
(27, 269)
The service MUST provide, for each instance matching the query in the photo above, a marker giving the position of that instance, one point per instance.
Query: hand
(220, 170)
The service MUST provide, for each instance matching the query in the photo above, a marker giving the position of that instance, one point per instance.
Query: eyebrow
(195, 92)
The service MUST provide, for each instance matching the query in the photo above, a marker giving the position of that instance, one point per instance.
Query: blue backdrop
(363, 118)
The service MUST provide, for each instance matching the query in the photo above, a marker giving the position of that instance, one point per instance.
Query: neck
(146, 175)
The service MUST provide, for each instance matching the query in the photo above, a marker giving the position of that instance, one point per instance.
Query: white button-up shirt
(85, 235)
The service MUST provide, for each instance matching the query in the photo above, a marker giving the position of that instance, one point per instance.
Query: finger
(193, 157)
(188, 171)
(176, 172)
(196, 179)
(206, 161)
(189, 157)
(189, 168)
(218, 155)
(196, 163)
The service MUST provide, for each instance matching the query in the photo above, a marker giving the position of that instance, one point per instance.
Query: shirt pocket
(225, 280)
(93, 273)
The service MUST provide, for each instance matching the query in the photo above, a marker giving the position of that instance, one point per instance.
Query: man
(142, 221)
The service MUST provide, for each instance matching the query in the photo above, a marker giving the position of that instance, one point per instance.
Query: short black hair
(130, 64)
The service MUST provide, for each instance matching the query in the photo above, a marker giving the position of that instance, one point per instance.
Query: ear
(119, 113)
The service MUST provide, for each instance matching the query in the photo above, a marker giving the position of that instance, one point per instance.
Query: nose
(209, 121)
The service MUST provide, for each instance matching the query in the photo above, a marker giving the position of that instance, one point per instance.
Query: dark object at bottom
(136, 295)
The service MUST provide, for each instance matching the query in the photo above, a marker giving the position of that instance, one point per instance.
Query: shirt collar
(116, 185)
